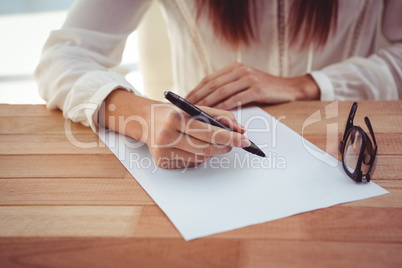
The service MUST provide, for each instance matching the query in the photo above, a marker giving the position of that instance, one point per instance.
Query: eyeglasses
(357, 150)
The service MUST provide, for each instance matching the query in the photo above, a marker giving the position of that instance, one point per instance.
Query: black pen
(202, 116)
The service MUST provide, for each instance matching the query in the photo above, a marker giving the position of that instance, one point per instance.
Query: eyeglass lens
(353, 146)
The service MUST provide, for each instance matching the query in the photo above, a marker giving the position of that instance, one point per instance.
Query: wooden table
(63, 206)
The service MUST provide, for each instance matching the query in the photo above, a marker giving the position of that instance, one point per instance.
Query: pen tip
(165, 93)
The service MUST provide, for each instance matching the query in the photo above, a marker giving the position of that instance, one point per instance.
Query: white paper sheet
(240, 189)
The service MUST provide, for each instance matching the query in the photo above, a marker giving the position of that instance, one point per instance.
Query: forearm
(127, 113)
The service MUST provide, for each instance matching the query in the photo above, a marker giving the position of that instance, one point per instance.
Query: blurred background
(26, 24)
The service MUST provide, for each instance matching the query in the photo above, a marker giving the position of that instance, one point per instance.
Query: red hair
(236, 21)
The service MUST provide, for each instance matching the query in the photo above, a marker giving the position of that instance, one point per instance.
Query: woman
(241, 51)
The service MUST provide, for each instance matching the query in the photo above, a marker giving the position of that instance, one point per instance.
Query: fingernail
(245, 142)
(240, 126)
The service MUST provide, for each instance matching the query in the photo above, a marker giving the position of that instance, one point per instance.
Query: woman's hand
(178, 140)
(238, 84)
(174, 139)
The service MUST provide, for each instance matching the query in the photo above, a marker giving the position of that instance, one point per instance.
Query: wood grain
(118, 252)
(60, 165)
(278, 253)
(220, 253)
(74, 191)
(15, 110)
(55, 143)
(40, 125)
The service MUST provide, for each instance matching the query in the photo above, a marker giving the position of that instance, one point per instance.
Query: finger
(207, 83)
(178, 159)
(225, 117)
(215, 135)
(200, 148)
(212, 76)
(176, 164)
(184, 124)
(224, 92)
(243, 97)
(175, 154)
(212, 85)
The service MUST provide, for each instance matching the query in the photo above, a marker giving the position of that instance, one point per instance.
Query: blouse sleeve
(377, 77)
(73, 74)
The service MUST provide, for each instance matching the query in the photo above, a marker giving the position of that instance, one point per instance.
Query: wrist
(128, 114)
(307, 88)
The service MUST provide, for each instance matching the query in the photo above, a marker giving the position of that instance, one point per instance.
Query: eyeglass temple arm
(370, 128)
(349, 123)
(351, 117)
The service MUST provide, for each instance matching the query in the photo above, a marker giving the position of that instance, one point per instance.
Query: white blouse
(362, 60)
